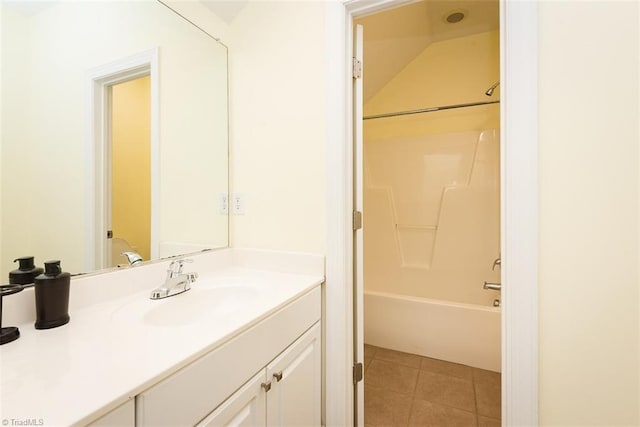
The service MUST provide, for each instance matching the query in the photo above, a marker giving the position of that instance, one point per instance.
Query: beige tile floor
(403, 389)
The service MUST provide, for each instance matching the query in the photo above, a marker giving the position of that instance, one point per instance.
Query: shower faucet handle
(492, 286)
(497, 262)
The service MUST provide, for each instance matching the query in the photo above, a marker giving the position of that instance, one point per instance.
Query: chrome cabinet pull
(266, 386)
(277, 375)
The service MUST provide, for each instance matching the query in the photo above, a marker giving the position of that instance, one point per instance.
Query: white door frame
(519, 209)
(358, 200)
(98, 151)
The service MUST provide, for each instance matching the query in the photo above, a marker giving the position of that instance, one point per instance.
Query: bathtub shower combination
(462, 333)
(432, 236)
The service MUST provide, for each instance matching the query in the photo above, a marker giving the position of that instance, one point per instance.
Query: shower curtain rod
(428, 110)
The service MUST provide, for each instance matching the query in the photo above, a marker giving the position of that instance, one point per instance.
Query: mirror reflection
(114, 134)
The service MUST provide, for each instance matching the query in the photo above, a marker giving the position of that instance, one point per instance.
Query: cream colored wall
(1, 86)
(278, 134)
(45, 144)
(17, 210)
(131, 165)
(194, 128)
(588, 146)
(432, 208)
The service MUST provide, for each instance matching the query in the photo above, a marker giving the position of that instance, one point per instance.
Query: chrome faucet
(176, 282)
(132, 257)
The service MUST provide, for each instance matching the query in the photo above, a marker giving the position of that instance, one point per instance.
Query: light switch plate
(224, 203)
(237, 203)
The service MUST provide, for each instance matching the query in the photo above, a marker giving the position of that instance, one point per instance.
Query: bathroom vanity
(242, 347)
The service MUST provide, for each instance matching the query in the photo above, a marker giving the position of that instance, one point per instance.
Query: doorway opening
(130, 170)
(519, 217)
(430, 186)
(123, 161)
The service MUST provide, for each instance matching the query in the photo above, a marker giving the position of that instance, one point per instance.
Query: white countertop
(111, 351)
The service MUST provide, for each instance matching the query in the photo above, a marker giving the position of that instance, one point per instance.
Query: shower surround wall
(433, 215)
(432, 206)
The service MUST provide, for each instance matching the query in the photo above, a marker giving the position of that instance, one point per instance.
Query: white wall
(278, 131)
(589, 165)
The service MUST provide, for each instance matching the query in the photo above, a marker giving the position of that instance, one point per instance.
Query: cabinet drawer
(190, 394)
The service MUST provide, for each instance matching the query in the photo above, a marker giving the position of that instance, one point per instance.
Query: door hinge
(357, 220)
(357, 373)
(109, 234)
(357, 68)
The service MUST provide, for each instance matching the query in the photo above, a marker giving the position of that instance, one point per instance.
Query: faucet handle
(176, 265)
(492, 286)
(497, 262)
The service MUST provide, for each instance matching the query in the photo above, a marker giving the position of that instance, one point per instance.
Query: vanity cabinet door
(122, 416)
(294, 398)
(245, 408)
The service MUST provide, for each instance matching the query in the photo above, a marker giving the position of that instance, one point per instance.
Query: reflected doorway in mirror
(112, 153)
(130, 170)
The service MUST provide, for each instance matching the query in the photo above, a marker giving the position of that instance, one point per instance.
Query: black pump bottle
(26, 272)
(52, 296)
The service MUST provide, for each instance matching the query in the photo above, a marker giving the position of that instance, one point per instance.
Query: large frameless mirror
(114, 134)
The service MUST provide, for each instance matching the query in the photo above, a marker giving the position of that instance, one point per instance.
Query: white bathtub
(461, 333)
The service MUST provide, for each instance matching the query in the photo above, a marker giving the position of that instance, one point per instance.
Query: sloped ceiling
(395, 37)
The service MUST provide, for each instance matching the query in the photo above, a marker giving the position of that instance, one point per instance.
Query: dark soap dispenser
(52, 296)
(26, 272)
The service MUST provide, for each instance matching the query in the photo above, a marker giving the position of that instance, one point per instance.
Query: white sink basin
(206, 299)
